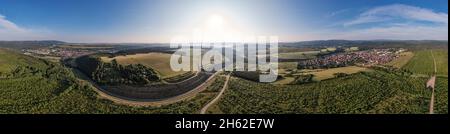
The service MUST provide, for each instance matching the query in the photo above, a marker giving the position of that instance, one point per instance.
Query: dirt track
(203, 110)
(433, 78)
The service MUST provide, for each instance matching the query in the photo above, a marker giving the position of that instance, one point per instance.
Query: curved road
(105, 94)
(203, 110)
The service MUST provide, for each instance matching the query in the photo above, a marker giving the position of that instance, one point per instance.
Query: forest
(116, 74)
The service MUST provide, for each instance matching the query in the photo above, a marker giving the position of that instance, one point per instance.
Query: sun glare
(218, 27)
(215, 22)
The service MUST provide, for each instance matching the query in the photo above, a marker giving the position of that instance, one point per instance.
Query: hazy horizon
(231, 42)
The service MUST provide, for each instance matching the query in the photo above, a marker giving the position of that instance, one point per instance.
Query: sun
(215, 22)
(216, 27)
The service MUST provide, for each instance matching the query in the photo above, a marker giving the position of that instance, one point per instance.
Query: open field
(422, 62)
(5, 65)
(158, 61)
(284, 66)
(329, 73)
(287, 65)
(285, 80)
(402, 60)
(298, 55)
(293, 49)
(441, 57)
(319, 74)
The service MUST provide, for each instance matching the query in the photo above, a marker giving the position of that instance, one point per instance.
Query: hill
(29, 44)
(365, 44)
(37, 86)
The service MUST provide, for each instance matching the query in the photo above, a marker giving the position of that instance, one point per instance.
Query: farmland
(330, 73)
(368, 92)
(402, 60)
(441, 57)
(36, 85)
(158, 61)
(422, 62)
(287, 65)
(299, 55)
(9, 61)
(289, 72)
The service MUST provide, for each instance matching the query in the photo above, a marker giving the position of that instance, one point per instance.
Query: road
(203, 110)
(106, 95)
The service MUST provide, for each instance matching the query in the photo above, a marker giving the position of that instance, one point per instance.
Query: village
(363, 58)
(65, 52)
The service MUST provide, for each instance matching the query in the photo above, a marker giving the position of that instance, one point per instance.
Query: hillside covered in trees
(31, 85)
(116, 74)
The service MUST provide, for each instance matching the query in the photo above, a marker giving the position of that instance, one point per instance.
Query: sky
(159, 21)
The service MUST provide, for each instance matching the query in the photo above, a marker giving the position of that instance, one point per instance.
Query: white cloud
(336, 13)
(11, 31)
(398, 32)
(6, 25)
(397, 21)
(399, 11)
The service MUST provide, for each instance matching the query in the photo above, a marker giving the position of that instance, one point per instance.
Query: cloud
(336, 13)
(397, 22)
(404, 32)
(6, 25)
(11, 31)
(399, 11)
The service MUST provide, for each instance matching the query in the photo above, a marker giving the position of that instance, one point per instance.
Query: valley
(112, 82)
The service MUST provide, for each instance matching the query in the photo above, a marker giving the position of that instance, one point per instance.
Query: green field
(370, 92)
(10, 60)
(441, 57)
(158, 61)
(402, 60)
(422, 62)
(38, 86)
(287, 65)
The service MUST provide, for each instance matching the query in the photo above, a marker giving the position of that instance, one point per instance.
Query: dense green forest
(116, 74)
